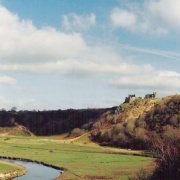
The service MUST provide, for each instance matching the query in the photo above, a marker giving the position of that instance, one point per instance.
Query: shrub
(141, 175)
(168, 151)
(77, 132)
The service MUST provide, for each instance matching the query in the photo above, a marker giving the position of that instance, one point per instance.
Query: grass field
(6, 168)
(81, 161)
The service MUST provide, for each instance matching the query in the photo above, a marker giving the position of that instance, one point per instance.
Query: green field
(6, 168)
(79, 161)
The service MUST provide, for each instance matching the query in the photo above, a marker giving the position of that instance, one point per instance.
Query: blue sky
(87, 54)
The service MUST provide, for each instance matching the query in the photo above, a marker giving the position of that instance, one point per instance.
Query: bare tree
(167, 150)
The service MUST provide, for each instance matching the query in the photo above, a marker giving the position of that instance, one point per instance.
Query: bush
(141, 175)
(77, 132)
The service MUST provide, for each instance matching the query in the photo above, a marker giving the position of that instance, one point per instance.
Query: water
(35, 171)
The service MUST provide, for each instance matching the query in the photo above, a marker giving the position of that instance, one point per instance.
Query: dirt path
(92, 144)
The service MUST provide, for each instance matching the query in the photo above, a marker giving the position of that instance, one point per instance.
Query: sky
(62, 54)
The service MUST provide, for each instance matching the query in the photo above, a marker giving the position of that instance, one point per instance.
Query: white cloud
(26, 49)
(158, 80)
(21, 41)
(153, 16)
(167, 11)
(123, 18)
(74, 22)
(7, 80)
(94, 61)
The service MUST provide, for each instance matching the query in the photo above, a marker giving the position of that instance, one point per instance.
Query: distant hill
(130, 125)
(50, 122)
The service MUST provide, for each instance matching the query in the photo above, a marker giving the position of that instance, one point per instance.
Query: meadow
(79, 161)
(6, 168)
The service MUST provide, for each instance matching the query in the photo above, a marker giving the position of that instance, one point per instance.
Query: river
(35, 171)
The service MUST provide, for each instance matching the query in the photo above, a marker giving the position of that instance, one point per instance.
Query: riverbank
(19, 171)
(29, 160)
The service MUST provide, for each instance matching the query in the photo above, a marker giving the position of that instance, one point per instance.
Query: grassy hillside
(138, 123)
(16, 131)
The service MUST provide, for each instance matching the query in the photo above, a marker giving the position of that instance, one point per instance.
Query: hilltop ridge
(138, 122)
(129, 125)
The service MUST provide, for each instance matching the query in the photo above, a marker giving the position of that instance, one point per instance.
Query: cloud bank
(164, 80)
(22, 42)
(158, 17)
(24, 48)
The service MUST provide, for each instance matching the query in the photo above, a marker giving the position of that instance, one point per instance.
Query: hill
(139, 122)
(131, 125)
(44, 123)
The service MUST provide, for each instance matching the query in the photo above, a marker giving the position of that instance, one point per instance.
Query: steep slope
(167, 112)
(15, 131)
(138, 123)
(9, 126)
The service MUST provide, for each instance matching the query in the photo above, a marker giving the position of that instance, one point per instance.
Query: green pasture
(79, 161)
(6, 168)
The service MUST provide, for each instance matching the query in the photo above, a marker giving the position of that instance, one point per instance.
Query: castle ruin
(151, 96)
(130, 98)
